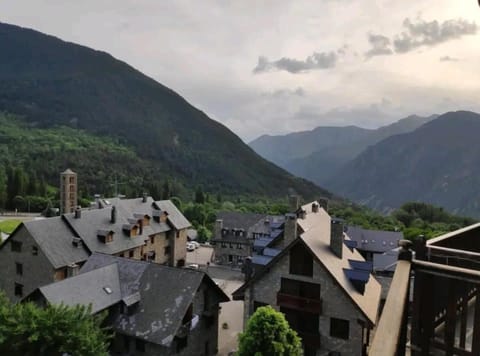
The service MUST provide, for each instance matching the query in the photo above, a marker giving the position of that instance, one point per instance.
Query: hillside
(318, 154)
(438, 163)
(50, 83)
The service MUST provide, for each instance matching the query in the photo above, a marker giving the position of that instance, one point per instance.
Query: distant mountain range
(51, 83)
(433, 159)
(319, 153)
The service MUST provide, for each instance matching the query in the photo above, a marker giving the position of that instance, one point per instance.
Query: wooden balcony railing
(389, 339)
(299, 303)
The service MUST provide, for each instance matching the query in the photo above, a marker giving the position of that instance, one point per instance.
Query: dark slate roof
(262, 242)
(261, 260)
(175, 217)
(164, 293)
(238, 220)
(374, 240)
(54, 238)
(91, 221)
(271, 251)
(100, 288)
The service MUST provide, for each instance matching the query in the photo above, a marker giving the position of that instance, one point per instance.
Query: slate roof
(54, 235)
(91, 221)
(164, 294)
(54, 238)
(175, 217)
(315, 234)
(87, 288)
(374, 240)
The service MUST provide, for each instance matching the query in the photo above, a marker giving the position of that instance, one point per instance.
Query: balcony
(299, 303)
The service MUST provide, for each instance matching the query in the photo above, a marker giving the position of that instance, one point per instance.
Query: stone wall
(37, 269)
(335, 303)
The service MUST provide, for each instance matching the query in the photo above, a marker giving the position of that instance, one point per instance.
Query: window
(166, 250)
(16, 246)
(177, 234)
(239, 246)
(19, 268)
(130, 253)
(18, 290)
(231, 245)
(140, 345)
(301, 261)
(339, 328)
(302, 322)
(152, 239)
(34, 250)
(224, 245)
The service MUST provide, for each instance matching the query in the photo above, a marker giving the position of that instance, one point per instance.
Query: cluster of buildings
(123, 256)
(312, 268)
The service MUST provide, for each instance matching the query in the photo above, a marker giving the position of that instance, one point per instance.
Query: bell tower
(68, 191)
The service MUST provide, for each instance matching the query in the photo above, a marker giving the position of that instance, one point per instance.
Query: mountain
(298, 145)
(318, 154)
(51, 83)
(438, 163)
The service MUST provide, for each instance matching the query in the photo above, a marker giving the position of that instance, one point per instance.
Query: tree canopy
(268, 333)
(26, 329)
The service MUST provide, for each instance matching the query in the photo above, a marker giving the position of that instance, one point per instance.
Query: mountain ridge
(50, 82)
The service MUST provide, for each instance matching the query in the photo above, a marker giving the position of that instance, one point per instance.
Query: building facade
(44, 251)
(324, 288)
(152, 309)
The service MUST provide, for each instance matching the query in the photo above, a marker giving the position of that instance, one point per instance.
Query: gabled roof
(175, 217)
(100, 288)
(315, 235)
(91, 221)
(164, 294)
(54, 238)
(374, 240)
(453, 234)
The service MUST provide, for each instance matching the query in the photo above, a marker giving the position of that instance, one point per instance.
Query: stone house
(240, 235)
(152, 309)
(324, 288)
(40, 252)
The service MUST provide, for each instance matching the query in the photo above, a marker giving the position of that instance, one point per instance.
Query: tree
(26, 329)
(268, 333)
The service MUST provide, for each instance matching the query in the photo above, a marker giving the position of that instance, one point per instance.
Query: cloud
(448, 59)
(318, 60)
(422, 33)
(380, 45)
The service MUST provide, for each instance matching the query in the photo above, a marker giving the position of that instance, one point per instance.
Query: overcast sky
(273, 66)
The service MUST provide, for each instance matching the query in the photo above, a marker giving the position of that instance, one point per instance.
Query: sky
(277, 66)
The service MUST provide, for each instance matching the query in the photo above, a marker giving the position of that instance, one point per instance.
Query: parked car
(190, 246)
(193, 266)
(195, 244)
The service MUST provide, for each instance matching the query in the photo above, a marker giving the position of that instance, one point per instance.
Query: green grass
(7, 226)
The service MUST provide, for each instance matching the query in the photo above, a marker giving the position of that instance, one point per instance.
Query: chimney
(140, 226)
(336, 237)
(218, 228)
(113, 215)
(315, 207)
(72, 269)
(290, 231)
(247, 268)
(144, 198)
(294, 203)
(78, 213)
(323, 202)
(302, 214)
